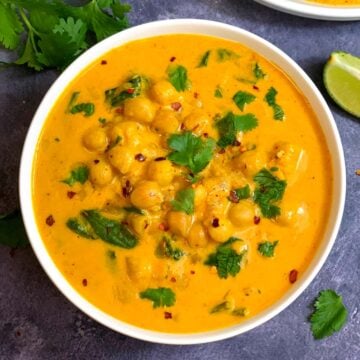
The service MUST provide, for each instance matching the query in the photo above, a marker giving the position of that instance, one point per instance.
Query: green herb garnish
(87, 108)
(270, 98)
(12, 230)
(267, 248)
(231, 124)
(225, 259)
(241, 98)
(160, 297)
(55, 33)
(166, 249)
(226, 54)
(134, 210)
(224, 306)
(191, 151)
(258, 72)
(329, 316)
(218, 92)
(268, 192)
(184, 201)
(204, 59)
(80, 227)
(243, 193)
(79, 174)
(178, 77)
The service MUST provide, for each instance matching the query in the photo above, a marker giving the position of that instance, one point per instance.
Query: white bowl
(184, 26)
(313, 10)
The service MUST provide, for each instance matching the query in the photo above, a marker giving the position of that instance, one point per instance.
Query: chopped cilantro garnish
(329, 316)
(191, 151)
(231, 124)
(134, 210)
(243, 193)
(116, 141)
(167, 249)
(218, 92)
(241, 98)
(87, 108)
(258, 72)
(267, 248)
(204, 59)
(268, 192)
(225, 259)
(270, 98)
(80, 227)
(160, 297)
(178, 77)
(184, 201)
(226, 54)
(102, 121)
(79, 174)
(223, 306)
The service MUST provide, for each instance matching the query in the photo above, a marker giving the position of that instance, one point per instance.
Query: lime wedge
(342, 81)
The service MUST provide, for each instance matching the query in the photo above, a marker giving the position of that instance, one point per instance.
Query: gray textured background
(37, 322)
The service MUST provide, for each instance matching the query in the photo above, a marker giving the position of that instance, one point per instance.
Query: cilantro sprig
(269, 190)
(231, 124)
(178, 77)
(79, 174)
(191, 151)
(160, 297)
(241, 98)
(329, 316)
(267, 248)
(270, 98)
(54, 32)
(184, 201)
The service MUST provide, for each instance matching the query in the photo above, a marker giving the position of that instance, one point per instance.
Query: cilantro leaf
(226, 54)
(329, 316)
(178, 77)
(270, 98)
(240, 194)
(267, 248)
(79, 174)
(87, 108)
(218, 92)
(225, 259)
(231, 124)
(160, 297)
(223, 306)
(258, 72)
(204, 59)
(12, 230)
(184, 201)
(134, 210)
(241, 98)
(166, 249)
(29, 58)
(268, 191)
(191, 151)
(10, 26)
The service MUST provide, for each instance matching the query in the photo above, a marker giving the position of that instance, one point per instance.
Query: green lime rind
(342, 81)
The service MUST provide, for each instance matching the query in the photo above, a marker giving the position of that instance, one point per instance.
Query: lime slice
(342, 81)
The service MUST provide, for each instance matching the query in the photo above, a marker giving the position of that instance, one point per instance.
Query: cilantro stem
(32, 31)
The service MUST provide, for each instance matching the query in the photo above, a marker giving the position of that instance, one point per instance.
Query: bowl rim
(315, 11)
(198, 27)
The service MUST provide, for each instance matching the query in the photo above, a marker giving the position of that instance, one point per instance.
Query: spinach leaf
(80, 227)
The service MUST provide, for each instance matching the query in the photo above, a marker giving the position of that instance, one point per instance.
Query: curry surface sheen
(123, 147)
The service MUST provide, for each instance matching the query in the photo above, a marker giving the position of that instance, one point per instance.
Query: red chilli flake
(255, 87)
(130, 90)
(215, 223)
(173, 279)
(176, 106)
(71, 194)
(236, 143)
(221, 151)
(192, 272)
(206, 135)
(161, 158)
(257, 220)
(127, 189)
(119, 110)
(293, 276)
(50, 220)
(96, 161)
(103, 62)
(140, 157)
(196, 95)
(163, 227)
(173, 58)
(84, 282)
(167, 315)
(233, 197)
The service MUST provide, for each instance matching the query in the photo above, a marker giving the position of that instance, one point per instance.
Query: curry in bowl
(182, 183)
(337, 2)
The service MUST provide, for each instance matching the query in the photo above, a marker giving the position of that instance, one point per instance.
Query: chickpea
(198, 121)
(101, 173)
(164, 92)
(147, 194)
(140, 108)
(140, 223)
(180, 223)
(250, 162)
(197, 236)
(161, 171)
(116, 132)
(242, 214)
(166, 122)
(121, 158)
(95, 139)
(222, 232)
(138, 268)
(131, 132)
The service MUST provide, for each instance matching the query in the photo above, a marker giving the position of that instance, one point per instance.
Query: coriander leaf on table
(269, 190)
(267, 248)
(229, 126)
(12, 230)
(10, 27)
(184, 201)
(191, 151)
(160, 297)
(329, 316)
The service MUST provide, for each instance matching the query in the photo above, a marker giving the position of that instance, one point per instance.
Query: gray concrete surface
(37, 322)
